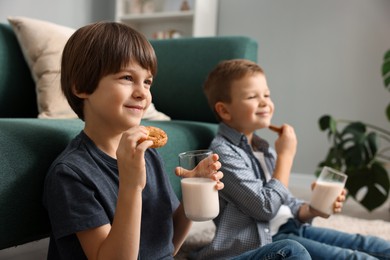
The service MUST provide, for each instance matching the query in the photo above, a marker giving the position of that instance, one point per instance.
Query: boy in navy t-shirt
(107, 194)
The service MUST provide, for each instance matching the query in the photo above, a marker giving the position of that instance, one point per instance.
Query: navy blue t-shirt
(80, 193)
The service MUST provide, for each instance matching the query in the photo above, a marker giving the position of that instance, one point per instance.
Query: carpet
(203, 232)
(379, 228)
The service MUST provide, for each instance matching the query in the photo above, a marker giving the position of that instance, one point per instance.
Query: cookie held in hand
(157, 136)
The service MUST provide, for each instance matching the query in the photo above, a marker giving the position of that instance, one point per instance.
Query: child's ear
(222, 111)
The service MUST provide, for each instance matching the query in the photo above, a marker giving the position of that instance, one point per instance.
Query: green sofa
(28, 145)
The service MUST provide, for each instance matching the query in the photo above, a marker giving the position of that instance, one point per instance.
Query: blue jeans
(283, 249)
(323, 243)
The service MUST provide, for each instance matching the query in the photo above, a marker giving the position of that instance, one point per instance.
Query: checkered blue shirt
(247, 202)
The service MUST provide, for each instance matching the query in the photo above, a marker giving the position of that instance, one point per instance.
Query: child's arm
(182, 226)
(121, 239)
(285, 147)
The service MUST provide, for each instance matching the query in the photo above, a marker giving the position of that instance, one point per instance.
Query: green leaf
(333, 159)
(375, 180)
(355, 128)
(387, 55)
(372, 143)
(373, 199)
(385, 68)
(388, 112)
(333, 125)
(328, 122)
(354, 156)
(352, 138)
(381, 176)
(386, 81)
(324, 122)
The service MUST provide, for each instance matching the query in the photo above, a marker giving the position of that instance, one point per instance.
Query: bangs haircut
(97, 50)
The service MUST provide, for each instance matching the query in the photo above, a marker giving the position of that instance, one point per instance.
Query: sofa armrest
(27, 148)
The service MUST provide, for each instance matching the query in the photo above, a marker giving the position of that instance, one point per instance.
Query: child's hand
(130, 157)
(338, 204)
(287, 141)
(207, 168)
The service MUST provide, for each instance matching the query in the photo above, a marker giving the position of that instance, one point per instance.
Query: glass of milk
(200, 196)
(329, 186)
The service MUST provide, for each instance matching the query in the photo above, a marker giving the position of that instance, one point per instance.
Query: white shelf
(157, 17)
(200, 20)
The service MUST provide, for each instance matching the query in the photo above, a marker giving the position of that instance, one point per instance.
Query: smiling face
(251, 107)
(119, 100)
(96, 51)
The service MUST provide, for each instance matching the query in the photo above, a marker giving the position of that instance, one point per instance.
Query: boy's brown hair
(99, 49)
(217, 86)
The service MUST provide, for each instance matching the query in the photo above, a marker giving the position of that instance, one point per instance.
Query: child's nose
(140, 92)
(262, 102)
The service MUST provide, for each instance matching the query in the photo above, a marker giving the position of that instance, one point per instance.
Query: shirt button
(266, 230)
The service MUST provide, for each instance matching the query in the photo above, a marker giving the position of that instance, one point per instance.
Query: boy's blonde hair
(217, 87)
(97, 50)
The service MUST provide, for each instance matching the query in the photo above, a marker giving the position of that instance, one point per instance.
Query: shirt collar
(237, 138)
(230, 134)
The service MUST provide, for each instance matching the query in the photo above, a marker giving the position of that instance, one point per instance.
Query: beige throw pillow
(42, 43)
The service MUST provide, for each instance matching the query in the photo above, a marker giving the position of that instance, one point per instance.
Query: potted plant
(362, 151)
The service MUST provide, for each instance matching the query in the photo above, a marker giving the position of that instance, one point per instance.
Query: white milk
(200, 198)
(324, 195)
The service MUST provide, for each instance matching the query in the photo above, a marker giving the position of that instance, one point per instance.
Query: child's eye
(148, 82)
(128, 77)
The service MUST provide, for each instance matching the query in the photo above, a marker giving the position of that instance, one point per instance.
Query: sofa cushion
(27, 148)
(42, 43)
